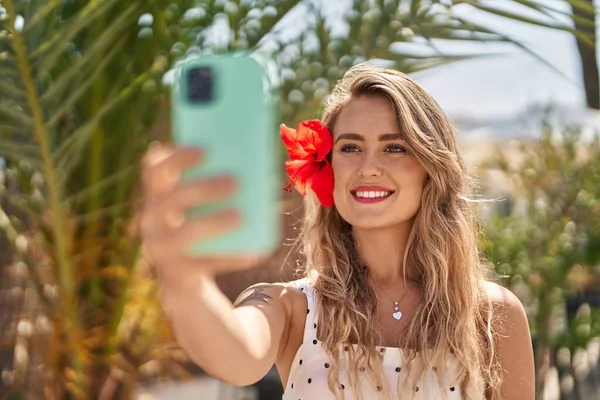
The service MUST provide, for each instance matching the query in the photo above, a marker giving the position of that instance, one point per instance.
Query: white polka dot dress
(310, 369)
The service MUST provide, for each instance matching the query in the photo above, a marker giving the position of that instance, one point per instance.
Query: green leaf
(69, 153)
(81, 89)
(95, 214)
(548, 10)
(19, 149)
(17, 116)
(40, 14)
(103, 185)
(14, 131)
(415, 5)
(15, 157)
(96, 51)
(583, 5)
(524, 19)
(47, 53)
(11, 89)
(8, 72)
(519, 45)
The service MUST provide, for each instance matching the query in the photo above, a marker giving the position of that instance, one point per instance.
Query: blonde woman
(393, 302)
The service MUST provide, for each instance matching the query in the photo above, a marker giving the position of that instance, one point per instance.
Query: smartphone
(226, 105)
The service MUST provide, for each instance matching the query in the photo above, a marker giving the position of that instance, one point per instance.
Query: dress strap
(310, 327)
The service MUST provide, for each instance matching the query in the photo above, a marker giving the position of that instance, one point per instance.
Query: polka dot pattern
(310, 370)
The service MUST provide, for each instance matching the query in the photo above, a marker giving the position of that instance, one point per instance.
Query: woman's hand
(167, 234)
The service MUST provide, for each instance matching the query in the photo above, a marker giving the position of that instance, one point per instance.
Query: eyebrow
(382, 138)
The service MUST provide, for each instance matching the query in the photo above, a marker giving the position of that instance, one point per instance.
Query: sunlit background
(84, 90)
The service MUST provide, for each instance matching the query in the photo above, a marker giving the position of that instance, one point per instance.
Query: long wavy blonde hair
(454, 317)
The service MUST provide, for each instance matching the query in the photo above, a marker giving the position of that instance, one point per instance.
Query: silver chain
(384, 292)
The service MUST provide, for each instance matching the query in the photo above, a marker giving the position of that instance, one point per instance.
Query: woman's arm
(514, 347)
(235, 343)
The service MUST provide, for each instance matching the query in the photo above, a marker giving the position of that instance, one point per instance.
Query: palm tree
(577, 17)
(81, 97)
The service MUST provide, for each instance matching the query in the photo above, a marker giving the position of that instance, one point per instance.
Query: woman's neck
(382, 252)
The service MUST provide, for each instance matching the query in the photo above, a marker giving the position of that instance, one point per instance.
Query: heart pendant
(397, 315)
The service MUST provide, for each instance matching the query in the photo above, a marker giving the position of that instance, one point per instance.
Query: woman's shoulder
(507, 306)
(513, 342)
(500, 295)
(288, 295)
(285, 287)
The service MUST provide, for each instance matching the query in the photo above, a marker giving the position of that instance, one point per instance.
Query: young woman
(393, 301)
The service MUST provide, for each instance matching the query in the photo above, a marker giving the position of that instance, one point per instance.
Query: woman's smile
(371, 194)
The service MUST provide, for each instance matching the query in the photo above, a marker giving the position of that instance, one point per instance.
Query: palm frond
(582, 5)
(16, 115)
(11, 148)
(96, 51)
(73, 96)
(14, 129)
(12, 89)
(549, 11)
(8, 72)
(69, 153)
(516, 43)
(99, 187)
(549, 21)
(42, 13)
(41, 134)
(48, 52)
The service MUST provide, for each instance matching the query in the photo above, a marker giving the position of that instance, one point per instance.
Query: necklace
(397, 314)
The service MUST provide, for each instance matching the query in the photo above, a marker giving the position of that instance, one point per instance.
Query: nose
(370, 167)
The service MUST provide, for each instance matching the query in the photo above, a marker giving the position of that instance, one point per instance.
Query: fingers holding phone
(168, 234)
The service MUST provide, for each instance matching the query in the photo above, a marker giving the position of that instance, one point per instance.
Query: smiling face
(378, 181)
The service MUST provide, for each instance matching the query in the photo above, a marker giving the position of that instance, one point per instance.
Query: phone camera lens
(200, 85)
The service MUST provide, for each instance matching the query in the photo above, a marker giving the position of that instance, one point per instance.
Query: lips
(371, 194)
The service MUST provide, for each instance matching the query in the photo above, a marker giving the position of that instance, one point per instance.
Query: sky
(507, 84)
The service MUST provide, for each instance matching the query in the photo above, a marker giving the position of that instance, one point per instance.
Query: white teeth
(372, 194)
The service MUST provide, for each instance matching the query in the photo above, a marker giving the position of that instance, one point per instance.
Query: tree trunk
(587, 55)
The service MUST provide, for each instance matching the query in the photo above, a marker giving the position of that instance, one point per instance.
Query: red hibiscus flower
(308, 148)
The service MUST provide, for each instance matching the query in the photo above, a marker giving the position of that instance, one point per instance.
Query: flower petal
(315, 139)
(322, 184)
(289, 137)
(299, 172)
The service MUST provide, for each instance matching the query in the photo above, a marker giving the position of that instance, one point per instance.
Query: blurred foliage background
(83, 93)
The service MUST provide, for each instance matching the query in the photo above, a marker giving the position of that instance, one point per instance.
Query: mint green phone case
(237, 129)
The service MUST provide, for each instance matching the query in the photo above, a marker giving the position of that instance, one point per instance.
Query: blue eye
(349, 148)
(394, 148)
